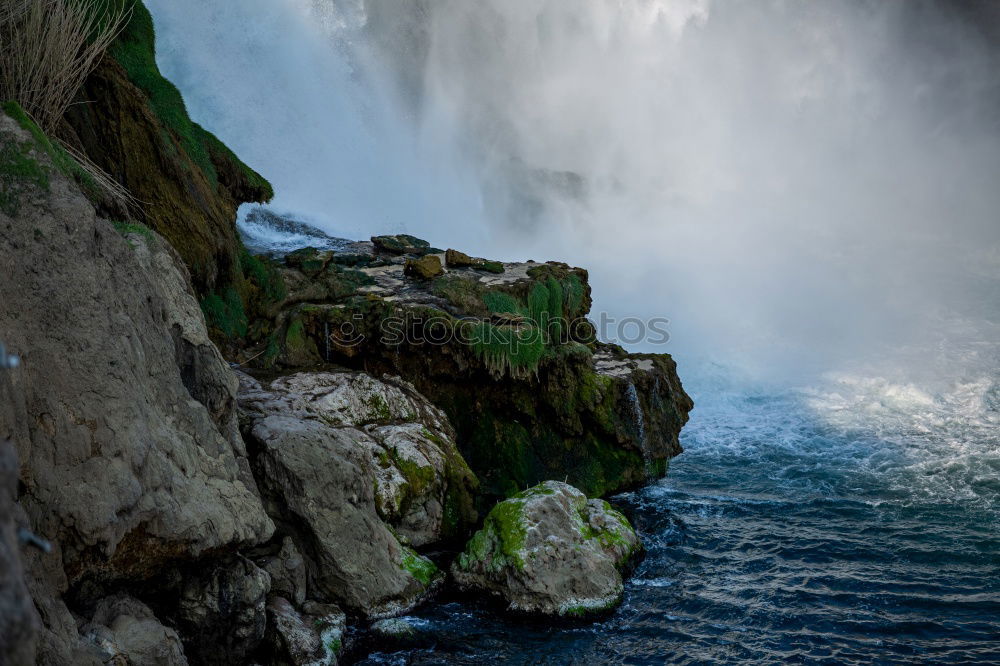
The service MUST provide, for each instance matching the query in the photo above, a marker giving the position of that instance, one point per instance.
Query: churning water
(854, 525)
(807, 190)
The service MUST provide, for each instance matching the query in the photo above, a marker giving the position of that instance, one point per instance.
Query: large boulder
(551, 551)
(339, 455)
(422, 487)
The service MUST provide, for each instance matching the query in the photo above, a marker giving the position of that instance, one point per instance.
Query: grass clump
(49, 49)
(126, 228)
(507, 350)
(225, 313)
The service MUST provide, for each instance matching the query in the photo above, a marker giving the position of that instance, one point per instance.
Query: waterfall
(804, 184)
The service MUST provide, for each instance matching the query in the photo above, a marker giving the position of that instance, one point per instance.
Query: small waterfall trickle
(640, 424)
(326, 341)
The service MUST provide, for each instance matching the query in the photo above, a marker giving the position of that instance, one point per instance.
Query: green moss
(378, 409)
(500, 542)
(63, 161)
(308, 260)
(225, 313)
(263, 276)
(419, 567)
(135, 50)
(506, 350)
(126, 228)
(334, 645)
(418, 478)
(555, 311)
(491, 266)
(535, 491)
(465, 293)
(502, 302)
(220, 152)
(18, 168)
(343, 282)
(403, 243)
(272, 350)
(574, 296)
(295, 336)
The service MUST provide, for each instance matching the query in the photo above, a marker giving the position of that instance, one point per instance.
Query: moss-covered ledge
(133, 123)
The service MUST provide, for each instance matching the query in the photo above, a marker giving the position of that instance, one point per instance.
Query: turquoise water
(856, 524)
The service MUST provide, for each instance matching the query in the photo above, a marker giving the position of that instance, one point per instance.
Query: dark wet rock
(287, 569)
(514, 363)
(221, 610)
(551, 551)
(293, 640)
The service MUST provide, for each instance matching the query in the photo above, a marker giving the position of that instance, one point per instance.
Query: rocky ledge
(504, 349)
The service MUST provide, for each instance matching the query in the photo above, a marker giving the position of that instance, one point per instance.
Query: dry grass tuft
(49, 47)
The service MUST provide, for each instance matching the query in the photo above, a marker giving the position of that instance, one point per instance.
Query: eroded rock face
(189, 182)
(131, 459)
(549, 550)
(288, 572)
(338, 453)
(422, 486)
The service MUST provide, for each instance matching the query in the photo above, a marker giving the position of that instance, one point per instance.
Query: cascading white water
(791, 184)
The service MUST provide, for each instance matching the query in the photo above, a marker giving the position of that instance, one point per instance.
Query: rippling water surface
(856, 523)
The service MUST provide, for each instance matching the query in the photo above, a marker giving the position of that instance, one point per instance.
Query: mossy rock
(427, 267)
(549, 550)
(133, 123)
(401, 244)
